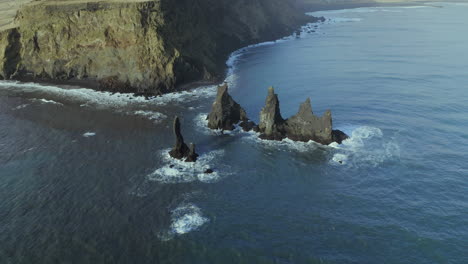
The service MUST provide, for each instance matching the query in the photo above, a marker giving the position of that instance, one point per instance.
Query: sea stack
(271, 124)
(305, 126)
(181, 151)
(225, 112)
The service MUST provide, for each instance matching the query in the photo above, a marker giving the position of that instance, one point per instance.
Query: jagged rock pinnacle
(181, 150)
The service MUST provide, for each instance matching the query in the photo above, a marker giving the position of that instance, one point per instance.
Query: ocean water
(85, 176)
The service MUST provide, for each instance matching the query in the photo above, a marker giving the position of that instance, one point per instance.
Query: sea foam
(91, 98)
(89, 134)
(186, 218)
(367, 146)
(178, 171)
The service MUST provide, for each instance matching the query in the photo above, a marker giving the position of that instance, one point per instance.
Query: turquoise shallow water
(84, 177)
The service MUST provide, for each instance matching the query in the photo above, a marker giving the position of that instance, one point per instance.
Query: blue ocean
(85, 176)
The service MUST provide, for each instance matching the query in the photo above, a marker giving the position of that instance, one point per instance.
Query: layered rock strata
(145, 47)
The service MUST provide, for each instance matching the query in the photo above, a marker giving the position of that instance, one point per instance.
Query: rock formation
(339, 136)
(225, 112)
(303, 126)
(271, 124)
(181, 150)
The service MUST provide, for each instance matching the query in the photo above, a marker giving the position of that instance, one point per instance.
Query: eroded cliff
(137, 46)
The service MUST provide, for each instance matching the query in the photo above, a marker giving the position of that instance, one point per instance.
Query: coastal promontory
(136, 46)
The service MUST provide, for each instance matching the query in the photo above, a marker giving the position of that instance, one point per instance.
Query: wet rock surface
(181, 150)
(225, 112)
(339, 136)
(271, 124)
(304, 126)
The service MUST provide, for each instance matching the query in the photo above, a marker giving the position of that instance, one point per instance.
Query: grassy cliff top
(8, 8)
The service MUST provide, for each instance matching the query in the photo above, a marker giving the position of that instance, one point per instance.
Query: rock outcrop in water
(181, 150)
(225, 112)
(140, 46)
(271, 124)
(304, 126)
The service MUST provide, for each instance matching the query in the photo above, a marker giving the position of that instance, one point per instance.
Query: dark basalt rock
(248, 126)
(271, 124)
(339, 136)
(305, 126)
(209, 171)
(225, 112)
(181, 150)
(192, 155)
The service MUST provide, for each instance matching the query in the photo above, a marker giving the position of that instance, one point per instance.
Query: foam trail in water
(91, 98)
(21, 106)
(366, 146)
(201, 123)
(45, 101)
(151, 115)
(178, 171)
(89, 134)
(186, 218)
(352, 10)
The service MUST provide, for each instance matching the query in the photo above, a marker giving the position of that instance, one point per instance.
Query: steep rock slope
(137, 46)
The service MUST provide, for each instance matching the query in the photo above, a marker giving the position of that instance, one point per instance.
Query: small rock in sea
(339, 136)
(209, 171)
(172, 166)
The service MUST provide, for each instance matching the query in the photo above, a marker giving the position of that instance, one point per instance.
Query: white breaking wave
(21, 106)
(285, 143)
(352, 10)
(367, 146)
(343, 19)
(92, 98)
(186, 218)
(89, 134)
(45, 101)
(178, 171)
(151, 115)
(202, 126)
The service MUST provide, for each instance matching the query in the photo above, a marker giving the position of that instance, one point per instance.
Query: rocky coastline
(142, 47)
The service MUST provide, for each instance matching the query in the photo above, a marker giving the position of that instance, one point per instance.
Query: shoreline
(94, 84)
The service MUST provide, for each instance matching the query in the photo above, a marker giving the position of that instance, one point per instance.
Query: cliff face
(137, 46)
